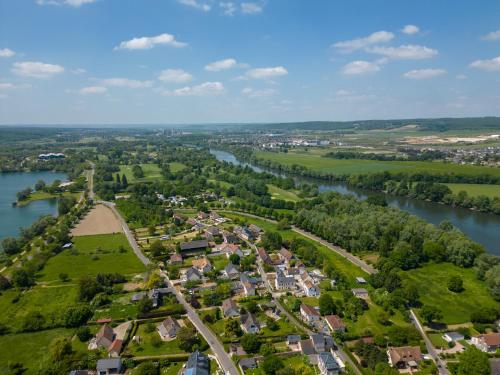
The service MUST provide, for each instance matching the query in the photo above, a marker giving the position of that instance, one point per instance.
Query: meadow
(357, 166)
(278, 193)
(151, 172)
(91, 255)
(473, 190)
(431, 281)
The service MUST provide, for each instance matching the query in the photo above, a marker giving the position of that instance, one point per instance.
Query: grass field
(145, 347)
(176, 167)
(120, 308)
(85, 258)
(27, 348)
(151, 172)
(473, 190)
(279, 193)
(355, 166)
(43, 195)
(456, 308)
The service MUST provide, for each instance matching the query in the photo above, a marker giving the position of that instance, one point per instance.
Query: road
(430, 347)
(223, 358)
(90, 181)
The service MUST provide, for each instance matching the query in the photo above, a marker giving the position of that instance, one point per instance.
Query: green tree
(250, 342)
(271, 364)
(33, 321)
(11, 245)
(232, 328)
(88, 287)
(145, 305)
(146, 368)
(235, 259)
(326, 304)
(22, 278)
(157, 249)
(271, 240)
(474, 362)
(75, 316)
(40, 185)
(187, 339)
(455, 284)
(431, 313)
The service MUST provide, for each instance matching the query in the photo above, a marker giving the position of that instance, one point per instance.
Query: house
(283, 282)
(168, 328)
(360, 293)
(103, 339)
(230, 308)
(244, 233)
(360, 280)
(194, 246)
(327, 364)
(335, 323)
(115, 348)
(488, 343)
(192, 274)
(197, 364)
(178, 219)
(250, 324)
(216, 217)
(202, 215)
(308, 286)
(307, 347)
(138, 296)
(229, 237)
(156, 295)
(213, 231)
(286, 255)
(202, 264)
(246, 364)
(404, 357)
(309, 313)
(230, 249)
(453, 336)
(109, 366)
(231, 271)
(293, 341)
(255, 230)
(175, 259)
(264, 256)
(248, 288)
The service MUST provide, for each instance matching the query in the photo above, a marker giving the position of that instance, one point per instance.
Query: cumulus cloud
(125, 82)
(90, 90)
(405, 52)
(175, 76)
(251, 8)
(79, 71)
(360, 67)
(410, 29)
(219, 65)
(5, 52)
(253, 93)
(494, 35)
(424, 73)
(490, 65)
(73, 3)
(267, 73)
(148, 42)
(195, 4)
(228, 8)
(204, 89)
(36, 69)
(355, 44)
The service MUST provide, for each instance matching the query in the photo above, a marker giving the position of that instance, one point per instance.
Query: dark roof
(307, 347)
(197, 364)
(293, 338)
(192, 245)
(109, 363)
(405, 354)
(328, 360)
(246, 363)
(107, 332)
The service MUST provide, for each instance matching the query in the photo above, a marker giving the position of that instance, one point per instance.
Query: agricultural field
(105, 253)
(151, 172)
(100, 220)
(356, 166)
(278, 193)
(456, 307)
(473, 190)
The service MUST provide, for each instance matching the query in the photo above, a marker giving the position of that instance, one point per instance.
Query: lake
(12, 218)
(480, 227)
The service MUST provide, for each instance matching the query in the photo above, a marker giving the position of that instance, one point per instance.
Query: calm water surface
(12, 218)
(481, 227)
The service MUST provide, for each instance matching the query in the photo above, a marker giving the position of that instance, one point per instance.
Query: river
(12, 218)
(480, 227)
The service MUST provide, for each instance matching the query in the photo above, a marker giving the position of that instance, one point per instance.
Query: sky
(231, 61)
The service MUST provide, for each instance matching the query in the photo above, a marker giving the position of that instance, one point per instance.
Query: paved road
(90, 181)
(430, 347)
(223, 358)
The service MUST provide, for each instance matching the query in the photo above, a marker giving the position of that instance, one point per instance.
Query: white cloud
(196, 4)
(410, 29)
(175, 76)
(494, 35)
(73, 3)
(374, 38)
(228, 8)
(490, 65)
(36, 69)
(267, 73)
(405, 52)
(461, 76)
(5, 52)
(6, 86)
(424, 73)
(360, 67)
(147, 42)
(79, 71)
(252, 93)
(125, 82)
(93, 90)
(206, 88)
(251, 8)
(219, 65)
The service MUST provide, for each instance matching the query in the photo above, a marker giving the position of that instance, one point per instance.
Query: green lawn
(120, 308)
(456, 307)
(172, 369)
(86, 259)
(43, 195)
(474, 190)
(279, 193)
(151, 172)
(219, 262)
(359, 166)
(145, 348)
(30, 349)
(437, 340)
(176, 167)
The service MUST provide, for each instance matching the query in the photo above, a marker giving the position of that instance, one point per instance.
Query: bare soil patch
(100, 220)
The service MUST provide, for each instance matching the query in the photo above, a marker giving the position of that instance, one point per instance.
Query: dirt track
(100, 220)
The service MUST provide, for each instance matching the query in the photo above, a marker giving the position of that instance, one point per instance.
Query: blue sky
(206, 61)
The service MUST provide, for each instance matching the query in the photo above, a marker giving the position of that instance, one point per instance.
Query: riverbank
(43, 195)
